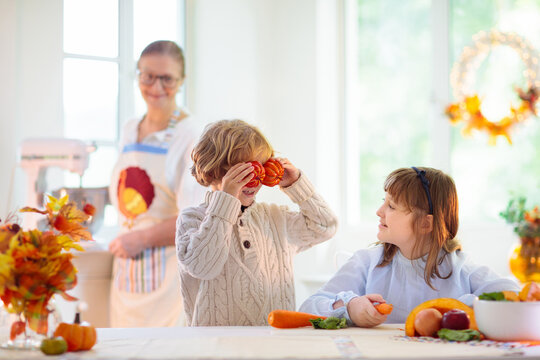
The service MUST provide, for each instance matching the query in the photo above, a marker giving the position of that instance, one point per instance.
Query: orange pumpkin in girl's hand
(273, 172)
(258, 174)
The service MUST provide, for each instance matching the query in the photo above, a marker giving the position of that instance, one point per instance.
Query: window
(487, 174)
(102, 42)
(398, 57)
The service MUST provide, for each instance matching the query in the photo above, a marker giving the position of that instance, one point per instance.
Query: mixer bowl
(99, 197)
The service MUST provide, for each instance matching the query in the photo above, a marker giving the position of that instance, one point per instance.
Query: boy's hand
(291, 173)
(363, 313)
(236, 178)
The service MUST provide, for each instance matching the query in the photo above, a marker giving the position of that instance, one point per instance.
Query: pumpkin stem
(77, 318)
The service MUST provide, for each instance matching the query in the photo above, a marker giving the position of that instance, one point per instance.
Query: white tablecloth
(382, 342)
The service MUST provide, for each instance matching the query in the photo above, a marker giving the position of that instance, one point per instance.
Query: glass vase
(525, 259)
(17, 335)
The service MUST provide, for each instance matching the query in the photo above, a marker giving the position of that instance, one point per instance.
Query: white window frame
(336, 41)
(127, 64)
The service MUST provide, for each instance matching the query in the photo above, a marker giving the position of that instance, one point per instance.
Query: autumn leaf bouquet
(35, 265)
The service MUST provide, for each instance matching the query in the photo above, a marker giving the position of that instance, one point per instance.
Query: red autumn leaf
(89, 209)
(61, 223)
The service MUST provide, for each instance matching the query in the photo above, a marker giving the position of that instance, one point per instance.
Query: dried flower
(35, 265)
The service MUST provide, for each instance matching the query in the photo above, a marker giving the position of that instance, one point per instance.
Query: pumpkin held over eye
(258, 174)
(273, 172)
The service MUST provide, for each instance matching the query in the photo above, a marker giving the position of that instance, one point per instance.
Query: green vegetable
(53, 346)
(458, 335)
(329, 323)
(494, 296)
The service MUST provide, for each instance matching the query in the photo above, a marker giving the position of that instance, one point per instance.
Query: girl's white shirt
(402, 283)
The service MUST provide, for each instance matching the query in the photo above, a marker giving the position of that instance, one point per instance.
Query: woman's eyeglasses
(149, 79)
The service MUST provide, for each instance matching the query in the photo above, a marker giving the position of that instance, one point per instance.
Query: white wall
(30, 96)
(8, 96)
(255, 60)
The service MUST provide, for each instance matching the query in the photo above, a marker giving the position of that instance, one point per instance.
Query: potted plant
(525, 257)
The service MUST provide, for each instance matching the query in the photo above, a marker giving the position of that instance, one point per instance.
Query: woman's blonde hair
(166, 47)
(226, 143)
(406, 188)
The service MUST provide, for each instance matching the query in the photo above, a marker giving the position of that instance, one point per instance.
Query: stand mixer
(95, 264)
(39, 154)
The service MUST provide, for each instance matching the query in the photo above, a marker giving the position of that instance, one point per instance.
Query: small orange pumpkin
(77, 336)
(258, 174)
(273, 172)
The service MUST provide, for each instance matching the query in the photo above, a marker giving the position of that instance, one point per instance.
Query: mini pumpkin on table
(78, 336)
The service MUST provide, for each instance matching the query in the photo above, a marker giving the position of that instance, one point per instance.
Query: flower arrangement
(525, 259)
(35, 265)
(526, 222)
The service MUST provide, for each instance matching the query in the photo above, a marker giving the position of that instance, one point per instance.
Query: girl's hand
(291, 173)
(363, 313)
(236, 178)
(127, 245)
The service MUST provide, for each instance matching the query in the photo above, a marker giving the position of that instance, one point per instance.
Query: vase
(17, 335)
(525, 260)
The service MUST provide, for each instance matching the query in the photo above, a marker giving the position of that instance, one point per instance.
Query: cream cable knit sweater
(237, 267)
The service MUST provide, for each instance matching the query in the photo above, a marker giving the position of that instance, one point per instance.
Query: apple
(427, 322)
(455, 319)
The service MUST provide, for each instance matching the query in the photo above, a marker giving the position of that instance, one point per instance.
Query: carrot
(285, 319)
(384, 308)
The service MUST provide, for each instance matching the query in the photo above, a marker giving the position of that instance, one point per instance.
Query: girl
(235, 254)
(417, 257)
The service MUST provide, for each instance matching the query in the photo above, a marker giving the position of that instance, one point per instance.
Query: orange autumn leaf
(70, 222)
(16, 328)
(532, 216)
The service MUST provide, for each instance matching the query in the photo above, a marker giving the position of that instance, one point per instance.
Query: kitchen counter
(382, 342)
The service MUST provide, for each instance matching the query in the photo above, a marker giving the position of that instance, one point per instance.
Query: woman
(150, 184)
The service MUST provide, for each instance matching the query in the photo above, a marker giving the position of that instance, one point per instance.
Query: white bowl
(508, 320)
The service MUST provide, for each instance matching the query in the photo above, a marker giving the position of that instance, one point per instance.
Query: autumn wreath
(468, 107)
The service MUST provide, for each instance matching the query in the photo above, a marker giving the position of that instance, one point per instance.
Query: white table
(382, 342)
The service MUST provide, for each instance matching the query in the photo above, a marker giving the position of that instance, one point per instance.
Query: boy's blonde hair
(405, 186)
(224, 144)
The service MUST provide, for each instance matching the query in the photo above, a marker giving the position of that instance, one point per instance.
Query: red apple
(455, 319)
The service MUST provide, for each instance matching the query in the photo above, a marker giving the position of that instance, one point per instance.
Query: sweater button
(247, 244)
